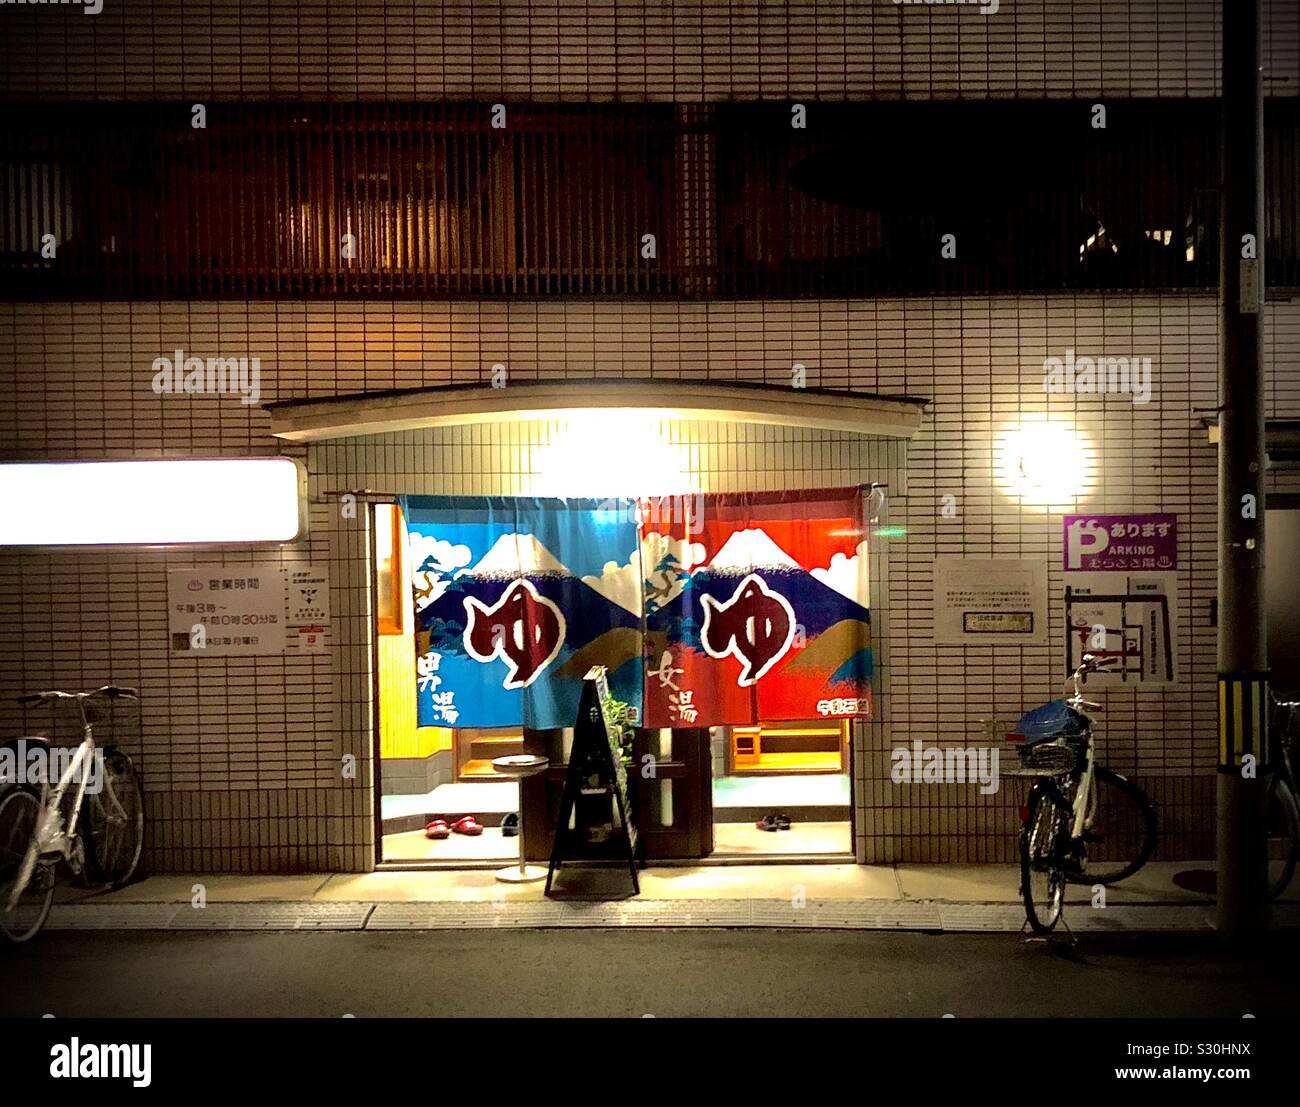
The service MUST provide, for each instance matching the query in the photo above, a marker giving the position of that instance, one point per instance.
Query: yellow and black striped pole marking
(1243, 719)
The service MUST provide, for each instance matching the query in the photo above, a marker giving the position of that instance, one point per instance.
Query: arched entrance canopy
(309, 420)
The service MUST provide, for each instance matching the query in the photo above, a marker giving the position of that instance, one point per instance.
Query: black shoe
(782, 821)
(510, 825)
(767, 822)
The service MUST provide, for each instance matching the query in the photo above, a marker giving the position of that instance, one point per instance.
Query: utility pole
(1242, 629)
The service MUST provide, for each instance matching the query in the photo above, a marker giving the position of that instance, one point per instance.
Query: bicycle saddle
(27, 739)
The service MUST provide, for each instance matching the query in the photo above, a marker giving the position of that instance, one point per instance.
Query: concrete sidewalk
(958, 898)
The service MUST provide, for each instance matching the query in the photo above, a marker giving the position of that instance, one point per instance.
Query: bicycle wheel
(1043, 841)
(20, 812)
(1283, 829)
(113, 822)
(1119, 832)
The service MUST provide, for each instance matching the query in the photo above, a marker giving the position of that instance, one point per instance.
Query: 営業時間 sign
(220, 611)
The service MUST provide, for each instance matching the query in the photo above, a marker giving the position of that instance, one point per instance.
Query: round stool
(519, 766)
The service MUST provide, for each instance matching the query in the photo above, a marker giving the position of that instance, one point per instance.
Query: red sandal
(437, 829)
(468, 825)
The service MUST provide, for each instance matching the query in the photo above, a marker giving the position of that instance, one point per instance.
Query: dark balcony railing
(642, 200)
(356, 199)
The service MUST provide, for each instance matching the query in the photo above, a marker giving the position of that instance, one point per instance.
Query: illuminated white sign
(94, 503)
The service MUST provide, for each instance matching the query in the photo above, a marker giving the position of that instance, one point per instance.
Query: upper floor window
(643, 200)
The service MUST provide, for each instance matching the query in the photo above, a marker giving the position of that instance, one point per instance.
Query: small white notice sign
(219, 611)
(995, 602)
(308, 618)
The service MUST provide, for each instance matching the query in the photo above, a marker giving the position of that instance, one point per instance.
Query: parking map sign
(1121, 596)
(1131, 618)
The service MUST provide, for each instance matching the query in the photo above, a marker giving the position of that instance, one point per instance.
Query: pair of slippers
(468, 825)
(773, 823)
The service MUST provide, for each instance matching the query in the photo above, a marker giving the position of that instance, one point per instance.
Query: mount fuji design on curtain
(515, 599)
(758, 611)
(752, 607)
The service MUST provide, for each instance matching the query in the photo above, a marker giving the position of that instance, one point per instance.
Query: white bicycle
(98, 834)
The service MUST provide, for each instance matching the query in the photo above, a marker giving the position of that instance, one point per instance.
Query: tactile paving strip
(113, 916)
(777, 914)
(272, 916)
(974, 918)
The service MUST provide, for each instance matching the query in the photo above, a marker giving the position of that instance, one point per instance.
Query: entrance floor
(804, 839)
(412, 845)
(404, 817)
(818, 806)
(496, 798)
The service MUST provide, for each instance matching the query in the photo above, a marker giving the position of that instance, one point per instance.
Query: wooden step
(479, 767)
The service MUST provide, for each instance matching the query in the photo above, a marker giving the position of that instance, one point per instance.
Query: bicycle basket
(1051, 757)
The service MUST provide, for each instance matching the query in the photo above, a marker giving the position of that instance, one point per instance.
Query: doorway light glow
(147, 503)
(1044, 463)
(611, 452)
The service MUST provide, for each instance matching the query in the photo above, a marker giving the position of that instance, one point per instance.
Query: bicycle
(1082, 823)
(1282, 811)
(101, 835)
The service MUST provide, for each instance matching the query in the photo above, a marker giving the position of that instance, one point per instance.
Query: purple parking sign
(1120, 543)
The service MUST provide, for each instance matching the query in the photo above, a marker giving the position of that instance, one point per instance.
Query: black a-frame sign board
(595, 769)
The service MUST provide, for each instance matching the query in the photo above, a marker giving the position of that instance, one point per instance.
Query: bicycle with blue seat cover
(1082, 823)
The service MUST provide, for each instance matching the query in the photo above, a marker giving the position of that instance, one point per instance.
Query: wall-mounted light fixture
(148, 503)
(1043, 462)
(612, 453)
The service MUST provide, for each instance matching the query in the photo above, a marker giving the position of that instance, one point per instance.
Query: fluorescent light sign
(147, 503)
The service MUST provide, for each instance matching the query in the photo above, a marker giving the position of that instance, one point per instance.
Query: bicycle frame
(51, 836)
(1078, 805)
(1083, 795)
(53, 841)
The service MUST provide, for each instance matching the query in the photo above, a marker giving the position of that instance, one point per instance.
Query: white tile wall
(243, 759)
(250, 751)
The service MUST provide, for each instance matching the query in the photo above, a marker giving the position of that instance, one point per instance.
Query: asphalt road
(557, 973)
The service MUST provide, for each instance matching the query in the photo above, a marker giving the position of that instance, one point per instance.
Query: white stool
(521, 765)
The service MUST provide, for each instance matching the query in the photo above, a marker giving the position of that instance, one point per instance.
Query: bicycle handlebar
(111, 691)
(116, 692)
(1093, 664)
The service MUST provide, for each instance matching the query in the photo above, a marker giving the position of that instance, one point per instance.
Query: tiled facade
(244, 759)
(674, 50)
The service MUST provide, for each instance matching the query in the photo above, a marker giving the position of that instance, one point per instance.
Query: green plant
(617, 712)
